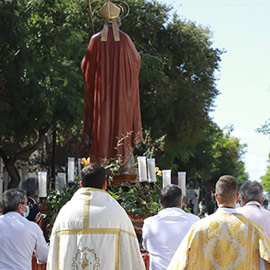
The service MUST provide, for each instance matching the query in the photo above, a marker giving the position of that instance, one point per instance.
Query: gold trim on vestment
(86, 230)
(58, 259)
(117, 251)
(86, 209)
(93, 231)
(93, 189)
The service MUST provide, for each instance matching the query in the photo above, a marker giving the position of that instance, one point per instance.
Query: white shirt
(258, 214)
(19, 238)
(163, 233)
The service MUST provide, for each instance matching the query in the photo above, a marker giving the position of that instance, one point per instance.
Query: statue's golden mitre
(109, 11)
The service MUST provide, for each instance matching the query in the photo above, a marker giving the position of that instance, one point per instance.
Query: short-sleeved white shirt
(19, 237)
(163, 233)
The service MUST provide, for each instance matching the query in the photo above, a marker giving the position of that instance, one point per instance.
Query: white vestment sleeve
(130, 256)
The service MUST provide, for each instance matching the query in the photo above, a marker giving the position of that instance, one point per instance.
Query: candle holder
(142, 169)
(70, 184)
(151, 168)
(143, 183)
(166, 178)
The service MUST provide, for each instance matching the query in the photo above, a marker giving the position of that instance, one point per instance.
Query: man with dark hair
(92, 231)
(19, 236)
(31, 187)
(163, 232)
(251, 193)
(93, 176)
(225, 239)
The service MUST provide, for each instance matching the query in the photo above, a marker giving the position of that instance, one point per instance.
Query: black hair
(93, 175)
(171, 196)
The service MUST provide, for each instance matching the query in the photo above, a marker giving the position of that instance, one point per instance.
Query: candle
(42, 184)
(151, 166)
(182, 182)
(142, 169)
(80, 168)
(166, 177)
(71, 165)
(61, 181)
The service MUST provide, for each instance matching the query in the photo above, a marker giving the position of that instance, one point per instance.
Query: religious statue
(111, 106)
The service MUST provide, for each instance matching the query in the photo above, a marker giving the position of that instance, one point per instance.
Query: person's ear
(237, 197)
(217, 198)
(81, 184)
(243, 202)
(20, 209)
(105, 185)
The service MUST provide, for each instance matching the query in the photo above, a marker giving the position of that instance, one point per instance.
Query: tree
(266, 178)
(218, 153)
(265, 128)
(42, 88)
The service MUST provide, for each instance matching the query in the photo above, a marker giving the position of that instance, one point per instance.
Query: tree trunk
(10, 158)
(13, 173)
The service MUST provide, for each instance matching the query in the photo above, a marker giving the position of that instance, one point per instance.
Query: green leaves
(139, 199)
(266, 178)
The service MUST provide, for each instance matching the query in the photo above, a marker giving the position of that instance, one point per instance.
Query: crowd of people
(92, 231)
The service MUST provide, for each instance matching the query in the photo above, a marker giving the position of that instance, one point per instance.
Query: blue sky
(241, 28)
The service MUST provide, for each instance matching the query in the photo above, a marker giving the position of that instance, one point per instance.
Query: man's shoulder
(151, 219)
(167, 213)
(191, 216)
(249, 209)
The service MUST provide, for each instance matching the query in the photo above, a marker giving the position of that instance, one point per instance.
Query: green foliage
(39, 66)
(138, 199)
(265, 128)
(150, 147)
(41, 87)
(266, 178)
(55, 200)
(41, 84)
(217, 153)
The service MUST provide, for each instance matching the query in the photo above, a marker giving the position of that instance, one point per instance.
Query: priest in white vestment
(225, 240)
(92, 231)
(251, 193)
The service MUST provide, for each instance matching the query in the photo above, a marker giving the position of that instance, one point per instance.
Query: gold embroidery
(249, 244)
(86, 209)
(88, 189)
(58, 259)
(222, 245)
(117, 251)
(93, 231)
(201, 256)
(86, 259)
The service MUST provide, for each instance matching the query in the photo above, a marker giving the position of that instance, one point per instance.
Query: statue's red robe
(111, 105)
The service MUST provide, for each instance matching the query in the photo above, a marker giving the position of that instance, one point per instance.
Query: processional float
(110, 70)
